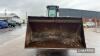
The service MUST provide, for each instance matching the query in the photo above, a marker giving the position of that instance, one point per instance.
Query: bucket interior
(42, 34)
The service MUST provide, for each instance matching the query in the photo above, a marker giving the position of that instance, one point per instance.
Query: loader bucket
(54, 32)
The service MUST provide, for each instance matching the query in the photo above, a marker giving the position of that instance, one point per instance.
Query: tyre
(0, 27)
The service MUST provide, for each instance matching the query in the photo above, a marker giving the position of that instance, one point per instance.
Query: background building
(9, 16)
(63, 12)
(90, 18)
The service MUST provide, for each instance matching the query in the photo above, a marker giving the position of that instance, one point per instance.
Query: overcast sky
(38, 7)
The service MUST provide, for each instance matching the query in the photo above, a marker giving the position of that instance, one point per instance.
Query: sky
(38, 7)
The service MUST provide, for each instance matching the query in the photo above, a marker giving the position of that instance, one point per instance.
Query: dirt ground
(15, 47)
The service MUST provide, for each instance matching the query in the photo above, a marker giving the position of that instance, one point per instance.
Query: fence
(91, 23)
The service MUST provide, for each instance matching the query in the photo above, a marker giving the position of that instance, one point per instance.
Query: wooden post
(84, 21)
(95, 21)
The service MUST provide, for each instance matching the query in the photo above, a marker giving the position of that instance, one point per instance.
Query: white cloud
(38, 7)
(82, 4)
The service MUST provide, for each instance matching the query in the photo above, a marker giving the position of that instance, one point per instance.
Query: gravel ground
(15, 47)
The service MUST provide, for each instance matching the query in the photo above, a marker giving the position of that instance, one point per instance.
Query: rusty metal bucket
(54, 32)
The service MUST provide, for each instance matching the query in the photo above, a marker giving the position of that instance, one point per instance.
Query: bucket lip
(64, 18)
(55, 19)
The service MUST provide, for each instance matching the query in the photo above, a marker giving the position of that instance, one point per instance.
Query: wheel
(0, 27)
(13, 25)
(9, 25)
